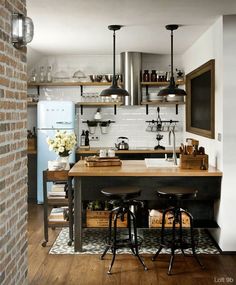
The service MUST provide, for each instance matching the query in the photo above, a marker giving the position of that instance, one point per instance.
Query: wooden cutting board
(102, 161)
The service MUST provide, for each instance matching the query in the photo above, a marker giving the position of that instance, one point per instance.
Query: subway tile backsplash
(129, 120)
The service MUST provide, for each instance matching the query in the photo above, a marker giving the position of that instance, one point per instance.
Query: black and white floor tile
(94, 242)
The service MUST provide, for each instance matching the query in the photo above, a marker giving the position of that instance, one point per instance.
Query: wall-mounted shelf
(152, 103)
(32, 104)
(160, 83)
(61, 84)
(97, 104)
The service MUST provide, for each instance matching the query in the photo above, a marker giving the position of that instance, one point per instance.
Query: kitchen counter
(88, 182)
(94, 150)
(138, 168)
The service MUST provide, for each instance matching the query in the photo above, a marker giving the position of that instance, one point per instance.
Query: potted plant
(104, 127)
(92, 126)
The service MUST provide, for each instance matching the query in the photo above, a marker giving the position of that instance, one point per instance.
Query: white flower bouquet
(63, 143)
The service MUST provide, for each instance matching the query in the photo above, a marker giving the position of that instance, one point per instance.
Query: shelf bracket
(81, 110)
(146, 109)
(115, 109)
(81, 90)
(176, 109)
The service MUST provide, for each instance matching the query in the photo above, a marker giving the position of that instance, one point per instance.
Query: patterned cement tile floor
(94, 242)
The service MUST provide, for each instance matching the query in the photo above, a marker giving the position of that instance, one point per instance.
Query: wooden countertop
(129, 151)
(138, 168)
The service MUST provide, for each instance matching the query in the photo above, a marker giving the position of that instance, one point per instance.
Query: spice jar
(146, 76)
(153, 76)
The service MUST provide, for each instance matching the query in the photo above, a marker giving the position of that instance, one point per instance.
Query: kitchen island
(90, 180)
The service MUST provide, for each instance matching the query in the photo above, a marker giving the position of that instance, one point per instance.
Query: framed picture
(200, 100)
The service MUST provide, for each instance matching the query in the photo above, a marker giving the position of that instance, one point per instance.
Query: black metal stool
(124, 197)
(175, 195)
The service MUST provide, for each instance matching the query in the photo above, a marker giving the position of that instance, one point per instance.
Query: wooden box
(100, 219)
(191, 161)
(156, 221)
(102, 161)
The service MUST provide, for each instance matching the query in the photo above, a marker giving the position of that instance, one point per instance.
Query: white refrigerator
(51, 116)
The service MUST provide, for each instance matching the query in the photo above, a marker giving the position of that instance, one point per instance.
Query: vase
(65, 160)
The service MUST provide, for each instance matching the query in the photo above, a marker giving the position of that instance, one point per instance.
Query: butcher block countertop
(94, 150)
(138, 168)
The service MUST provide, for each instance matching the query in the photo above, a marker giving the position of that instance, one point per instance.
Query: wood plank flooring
(45, 269)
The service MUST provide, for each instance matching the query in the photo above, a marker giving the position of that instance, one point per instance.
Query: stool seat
(121, 192)
(177, 192)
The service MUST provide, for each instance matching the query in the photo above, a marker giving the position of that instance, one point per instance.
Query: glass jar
(41, 76)
(146, 76)
(153, 76)
(49, 74)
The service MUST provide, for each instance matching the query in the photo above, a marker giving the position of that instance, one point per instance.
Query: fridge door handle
(64, 123)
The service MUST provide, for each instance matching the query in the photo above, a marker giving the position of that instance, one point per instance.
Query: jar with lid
(153, 76)
(146, 76)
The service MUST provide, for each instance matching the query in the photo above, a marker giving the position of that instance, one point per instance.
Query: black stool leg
(181, 230)
(109, 235)
(136, 239)
(192, 240)
(114, 242)
(175, 212)
(129, 229)
(162, 234)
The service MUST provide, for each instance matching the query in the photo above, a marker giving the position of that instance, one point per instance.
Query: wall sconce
(22, 30)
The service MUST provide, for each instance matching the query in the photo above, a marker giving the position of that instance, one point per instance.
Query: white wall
(130, 120)
(219, 42)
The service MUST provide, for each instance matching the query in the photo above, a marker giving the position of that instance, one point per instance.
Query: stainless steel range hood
(130, 68)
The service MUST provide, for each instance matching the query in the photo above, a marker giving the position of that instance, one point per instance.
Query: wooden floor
(45, 269)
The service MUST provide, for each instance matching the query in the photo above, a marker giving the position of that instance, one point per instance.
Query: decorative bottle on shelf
(87, 138)
(153, 76)
(146, 76)
(82, 139)
(41, 76)
(49, 74)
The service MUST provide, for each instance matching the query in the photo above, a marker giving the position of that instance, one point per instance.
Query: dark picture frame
(200, 100)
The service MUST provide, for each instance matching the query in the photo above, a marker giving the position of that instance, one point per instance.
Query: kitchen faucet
(172, 131)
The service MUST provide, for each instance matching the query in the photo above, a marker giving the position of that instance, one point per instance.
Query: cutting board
(102, 161)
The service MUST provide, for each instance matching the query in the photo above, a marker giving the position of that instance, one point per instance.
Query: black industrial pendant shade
(114, 89)
(172, 89)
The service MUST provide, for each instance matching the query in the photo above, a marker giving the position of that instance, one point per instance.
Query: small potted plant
(104, 127)
(92, 126)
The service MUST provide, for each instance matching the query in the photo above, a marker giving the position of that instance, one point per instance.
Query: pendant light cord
(114, 60)
(172, 81)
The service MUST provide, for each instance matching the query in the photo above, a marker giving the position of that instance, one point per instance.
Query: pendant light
(114, 89)
(172, 89)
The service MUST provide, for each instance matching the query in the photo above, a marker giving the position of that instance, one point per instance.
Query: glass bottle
(33, 77)
(153, 76)
(41, 78)
(49, 74)
(146, 76)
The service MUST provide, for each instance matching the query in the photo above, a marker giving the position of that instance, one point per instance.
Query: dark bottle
(153, 76)
(146, 76)
(87, 138)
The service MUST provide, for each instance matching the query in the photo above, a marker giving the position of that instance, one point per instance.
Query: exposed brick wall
(13, 155)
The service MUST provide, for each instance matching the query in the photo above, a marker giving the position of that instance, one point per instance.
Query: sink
(159, 162)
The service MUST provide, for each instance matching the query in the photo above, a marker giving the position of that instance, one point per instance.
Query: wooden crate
(100, 219)
(191, 161)
(156, 221)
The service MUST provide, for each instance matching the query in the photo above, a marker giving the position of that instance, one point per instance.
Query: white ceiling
(80, 26)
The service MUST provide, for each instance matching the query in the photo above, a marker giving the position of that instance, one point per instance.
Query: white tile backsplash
(129, 120)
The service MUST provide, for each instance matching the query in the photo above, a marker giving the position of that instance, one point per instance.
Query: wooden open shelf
(161, 83)
(61, 84)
